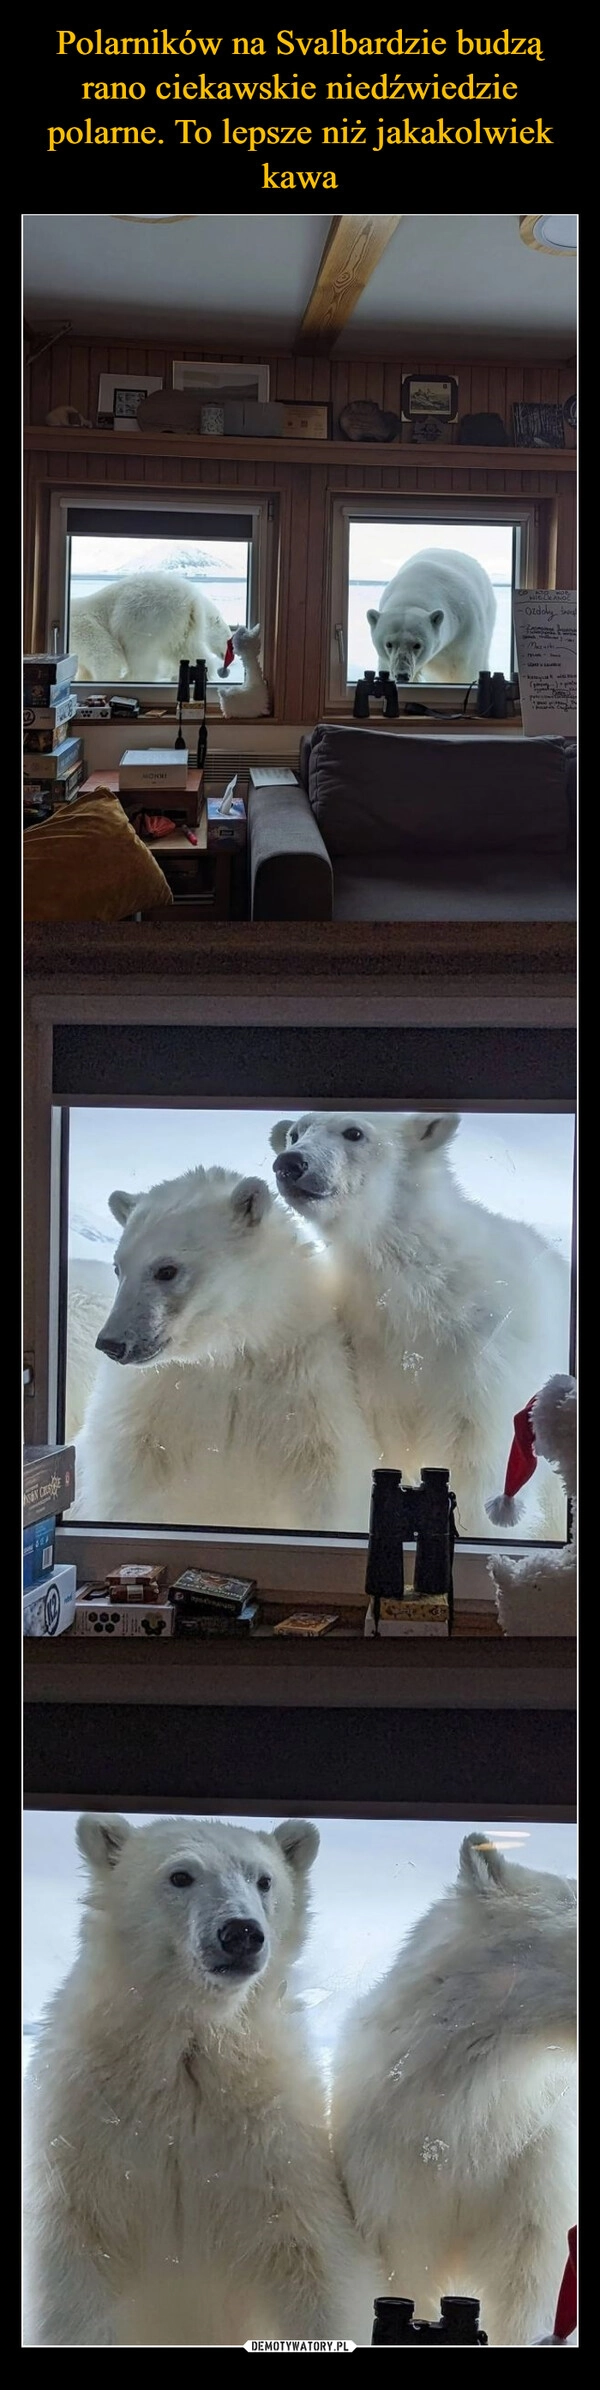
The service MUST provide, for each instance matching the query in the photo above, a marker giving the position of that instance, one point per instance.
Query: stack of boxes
(48, 1489)
(53, 765)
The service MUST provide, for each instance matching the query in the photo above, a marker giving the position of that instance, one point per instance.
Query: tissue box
(225, 829)
(153, 767)
(38, 1551)
(49, 1606)
(97, 1615)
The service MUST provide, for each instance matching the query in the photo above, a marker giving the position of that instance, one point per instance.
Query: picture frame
(305, 422)
(119, 396)
(231, 381)
(431, 395)
(537, 426)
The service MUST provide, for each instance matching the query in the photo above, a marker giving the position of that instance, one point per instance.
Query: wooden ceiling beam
(352, 251)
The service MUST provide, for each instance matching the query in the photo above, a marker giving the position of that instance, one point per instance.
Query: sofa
(388, 826)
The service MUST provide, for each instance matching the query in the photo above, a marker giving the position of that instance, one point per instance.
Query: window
(495, 1976)
(135, 584)
(450, 1236)
(373, 540)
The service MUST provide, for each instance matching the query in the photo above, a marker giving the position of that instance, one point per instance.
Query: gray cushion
(482, 888)
(290, 873)
(376, 792)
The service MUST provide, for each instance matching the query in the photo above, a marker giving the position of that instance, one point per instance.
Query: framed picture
(428, 427)
(119, 396)
(430, 394)
(536, 426)
(306, 423)
(231, 381)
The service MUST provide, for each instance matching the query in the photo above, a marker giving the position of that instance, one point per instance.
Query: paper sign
(546, 640)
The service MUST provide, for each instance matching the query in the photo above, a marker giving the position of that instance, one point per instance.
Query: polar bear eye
(181, 1878)
(293, 1136)
(353, 1136)
(263, 1883)
(168, 1270)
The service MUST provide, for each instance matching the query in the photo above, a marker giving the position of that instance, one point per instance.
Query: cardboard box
(50, 717)
(38, 1551)
(48, 1481)
(49, 1606)
(57, 766)
(154, 767)
(200, 1589)
(47, 679)
(305, 423)
(421, 1614)
(97, 1615)
(205, 1626)
(137, 1582)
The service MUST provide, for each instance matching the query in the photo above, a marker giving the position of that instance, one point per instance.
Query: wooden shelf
(375, 952)
(342, 1672)
(303, 452)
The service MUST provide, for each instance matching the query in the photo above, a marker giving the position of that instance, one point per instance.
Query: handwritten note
(546, 641)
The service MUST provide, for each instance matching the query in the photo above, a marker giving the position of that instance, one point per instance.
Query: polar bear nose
(240, 1936)
(114, 1346)
(289, 1168)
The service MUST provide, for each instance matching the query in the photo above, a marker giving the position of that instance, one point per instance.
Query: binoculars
(399, 1513)
(495, 696)
(375, 684)
(458, 2325)
(191, 689)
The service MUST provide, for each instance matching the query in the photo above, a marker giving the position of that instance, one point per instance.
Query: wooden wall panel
(68, 374)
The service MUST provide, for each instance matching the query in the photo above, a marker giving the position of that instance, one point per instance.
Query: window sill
(470, 1671)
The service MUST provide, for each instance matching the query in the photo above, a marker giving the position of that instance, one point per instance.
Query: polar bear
(454, 1314)
(139, 629)
(436, 619)
(237, 1407)
(181, 2181)
(452, 2098)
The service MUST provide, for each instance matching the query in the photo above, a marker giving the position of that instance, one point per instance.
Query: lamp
(556, 234)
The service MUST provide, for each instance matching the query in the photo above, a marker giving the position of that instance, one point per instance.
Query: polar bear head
(198, 1269)
(406, 638)
(190, 1908)
(499, 1951)
(342, 1170)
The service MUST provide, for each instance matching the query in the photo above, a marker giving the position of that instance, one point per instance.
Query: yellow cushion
(87, 864)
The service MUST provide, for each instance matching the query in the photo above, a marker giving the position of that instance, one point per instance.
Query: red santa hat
(504, 1510)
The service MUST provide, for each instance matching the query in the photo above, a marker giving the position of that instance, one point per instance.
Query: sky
(372, 1879)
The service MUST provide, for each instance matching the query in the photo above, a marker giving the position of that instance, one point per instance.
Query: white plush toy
(538, 1594)
(253, 699)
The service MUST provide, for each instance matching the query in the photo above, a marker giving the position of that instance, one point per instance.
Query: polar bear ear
(101, 1839)
(278, 1135)
(299, 1842)
(372, 616)
(250, 1201)
(481, 1867)
(121, 1205)
(436, 619)
(424, 1132)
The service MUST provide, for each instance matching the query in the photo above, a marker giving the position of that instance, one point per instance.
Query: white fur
(453, 1313)
(436, 618)
(538, 1594)
(236, 1405)
(141, 628)
(181, 2180)
(253, 699)
(89, 1294)
(452, 2114)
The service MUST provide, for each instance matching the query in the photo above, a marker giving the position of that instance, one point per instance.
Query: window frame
(295, 1567)
(523, 513)
(262, 508)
